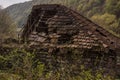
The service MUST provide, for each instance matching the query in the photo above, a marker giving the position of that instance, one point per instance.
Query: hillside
(98, 11)
(19, 12)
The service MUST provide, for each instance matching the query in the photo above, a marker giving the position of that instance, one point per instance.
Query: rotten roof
(54, 21)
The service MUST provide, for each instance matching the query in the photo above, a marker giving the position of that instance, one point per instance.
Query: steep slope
(19, 12)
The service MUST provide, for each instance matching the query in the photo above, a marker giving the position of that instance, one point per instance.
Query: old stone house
(55, 28)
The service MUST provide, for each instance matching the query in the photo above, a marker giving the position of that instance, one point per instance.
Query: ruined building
(55, 28)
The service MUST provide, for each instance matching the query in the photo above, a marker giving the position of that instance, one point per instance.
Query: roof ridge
(91, 22)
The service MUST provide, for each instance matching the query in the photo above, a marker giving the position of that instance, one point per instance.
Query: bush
(24, 65)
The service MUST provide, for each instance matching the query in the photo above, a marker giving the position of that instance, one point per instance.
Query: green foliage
(113, 7)
(108, 21)
(7, 27)
(7, 76)
(24, 65)
(20, 64)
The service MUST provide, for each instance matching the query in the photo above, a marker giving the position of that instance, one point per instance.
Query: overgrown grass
(23, 65)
